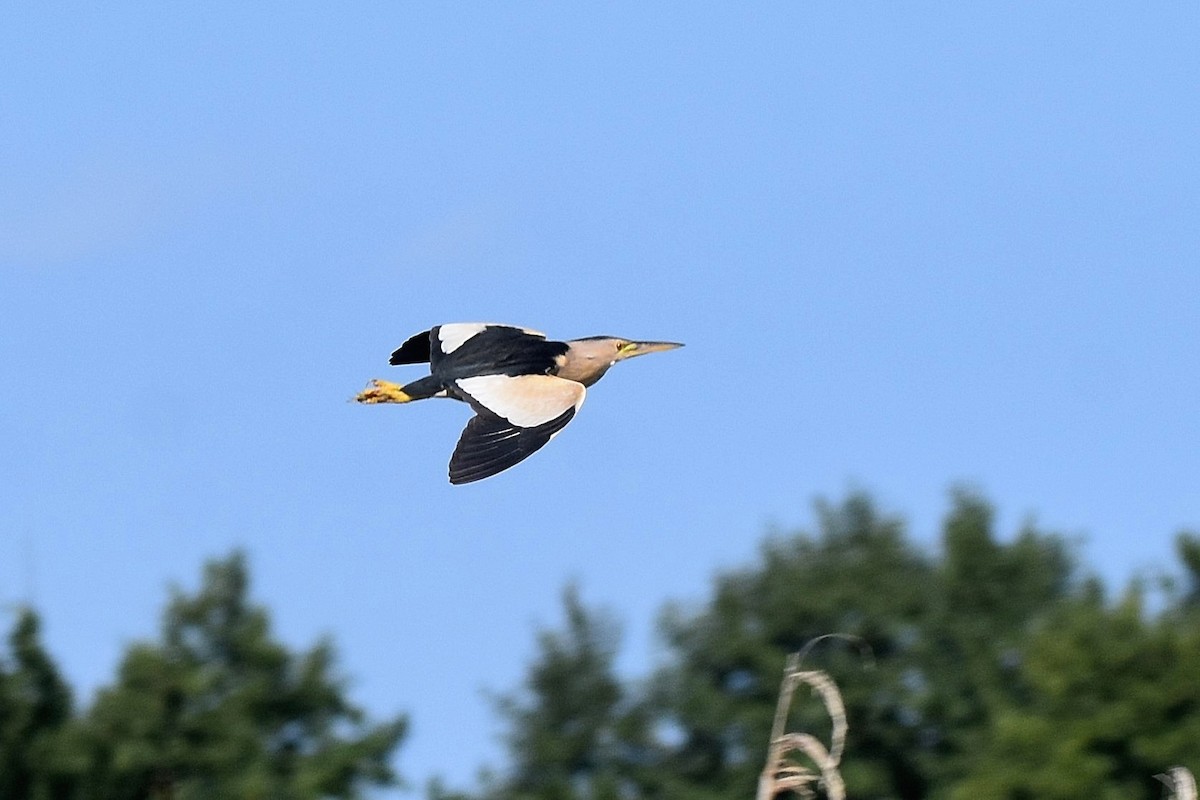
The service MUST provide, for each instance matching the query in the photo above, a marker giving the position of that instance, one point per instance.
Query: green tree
(945, 634)
(860, 576)
(1111, 697)
(218, 708)
(988, 598)
(1188, 546)
(35, 705)
(948, 634)
(574, 730)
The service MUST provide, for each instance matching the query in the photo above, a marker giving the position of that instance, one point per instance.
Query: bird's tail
(378, 391)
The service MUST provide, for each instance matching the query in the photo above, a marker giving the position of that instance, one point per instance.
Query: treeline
(216, 708)
(991, 669)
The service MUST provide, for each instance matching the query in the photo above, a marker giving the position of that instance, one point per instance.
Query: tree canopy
(996, 669)
(216, 707)
(35, 705)
(988, 667)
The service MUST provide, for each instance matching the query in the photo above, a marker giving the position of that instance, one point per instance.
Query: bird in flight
(523, 387)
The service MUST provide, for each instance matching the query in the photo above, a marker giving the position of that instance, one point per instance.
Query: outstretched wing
(515, 416)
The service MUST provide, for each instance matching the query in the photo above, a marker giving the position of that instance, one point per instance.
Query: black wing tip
(477, 466)
(459, 480)
(490, 445)
(476, 471)
(413, 351)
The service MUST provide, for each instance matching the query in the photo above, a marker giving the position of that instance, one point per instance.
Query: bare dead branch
(1180, 782)
(782, 774)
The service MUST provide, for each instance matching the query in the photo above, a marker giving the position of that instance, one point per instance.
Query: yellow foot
(378, 391)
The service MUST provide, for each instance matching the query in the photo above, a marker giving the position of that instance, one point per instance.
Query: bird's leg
(378, 391)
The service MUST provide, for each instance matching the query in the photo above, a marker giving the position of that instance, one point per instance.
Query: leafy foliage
(996, 672)
(1111, 696)
(216, 708)
(35, 704)
(573, 730)
(938, 630)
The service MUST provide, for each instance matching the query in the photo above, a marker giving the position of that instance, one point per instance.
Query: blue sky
(907, 245)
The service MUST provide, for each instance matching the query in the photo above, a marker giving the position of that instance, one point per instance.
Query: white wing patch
(452, 336)
(524, 400)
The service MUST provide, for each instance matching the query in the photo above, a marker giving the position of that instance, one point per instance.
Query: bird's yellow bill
(378, 391)
(632, 349)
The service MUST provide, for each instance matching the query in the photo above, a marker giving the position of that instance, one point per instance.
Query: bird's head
(588, 359)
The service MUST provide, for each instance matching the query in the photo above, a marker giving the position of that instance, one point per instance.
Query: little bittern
(523, 387)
